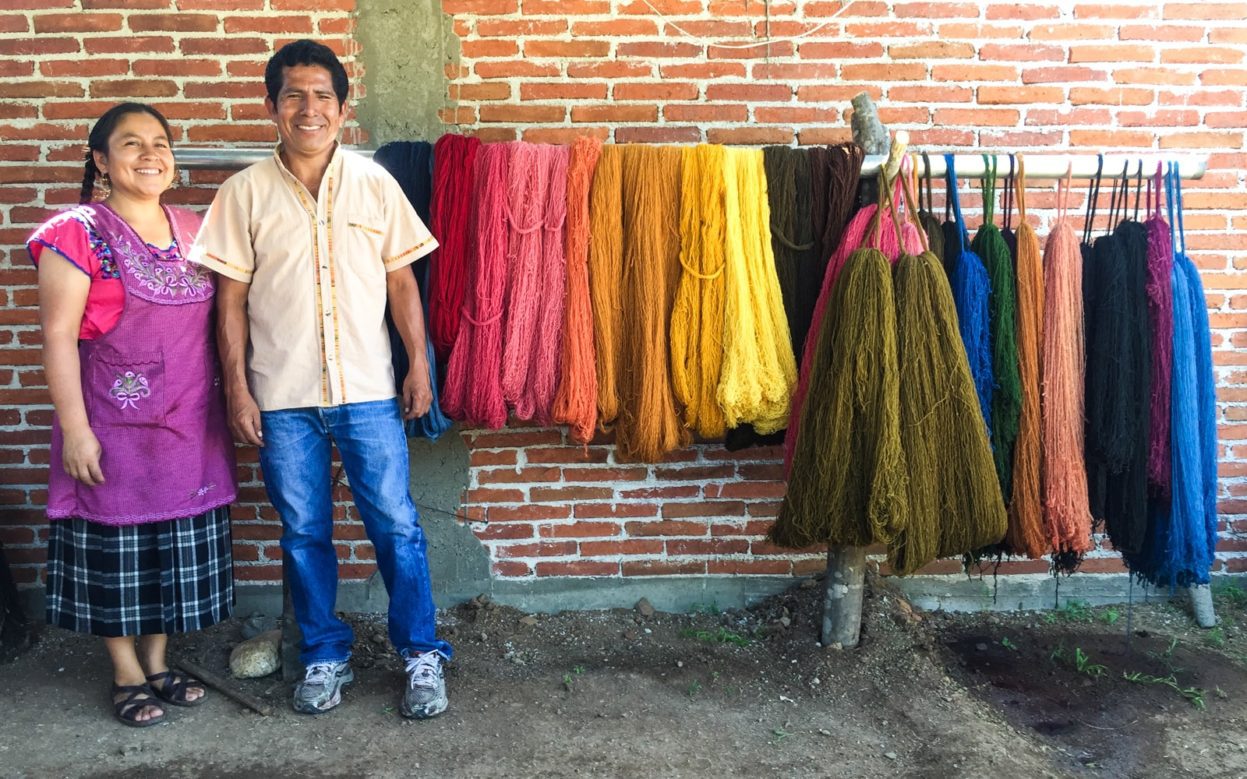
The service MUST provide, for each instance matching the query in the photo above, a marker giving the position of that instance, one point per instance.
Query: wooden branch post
(846, 565)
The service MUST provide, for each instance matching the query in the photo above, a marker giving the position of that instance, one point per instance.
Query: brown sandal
(173, 687)
(138, 697)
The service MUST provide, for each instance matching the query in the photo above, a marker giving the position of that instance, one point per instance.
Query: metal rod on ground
(223, 687)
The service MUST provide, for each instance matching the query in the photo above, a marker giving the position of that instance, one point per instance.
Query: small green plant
(1194, 695)
(1110, 616)
(722, 636)
(780, 734)
(569, 679)
(705, 608)
(1083, 664)
(694, 687)
(1215, 638)
(1075, 611)
(1007, 644)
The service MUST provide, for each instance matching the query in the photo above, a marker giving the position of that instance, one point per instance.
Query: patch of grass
(1215, 638)
(1231, 593)
(1110, 616)
(705, 608)
(694, 688)
(721, 636)
(1193, 695)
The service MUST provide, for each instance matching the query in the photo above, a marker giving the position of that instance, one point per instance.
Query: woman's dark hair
(103, 130)
(304, 52)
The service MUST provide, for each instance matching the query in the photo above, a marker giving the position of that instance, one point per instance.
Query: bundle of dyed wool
(1026, 534)
(575, 402)
(844, 171)
(454, 162)
(606, 278)
(971, 294)
(1007, 391)
(952, 510)
(927, 220)
(408, 163)
(528, 195)
(1118, 393)
(473, 391)
(537, 398)
(697, 315)
(649, 425)
(1160, 315)
(1064, 476)
(855, 235)
(759, 369)
(792, 235)
(848, 484)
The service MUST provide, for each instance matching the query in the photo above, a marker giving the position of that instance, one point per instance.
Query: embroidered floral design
(199, 493)
(129, 388)
(108, 264)
(167, 274)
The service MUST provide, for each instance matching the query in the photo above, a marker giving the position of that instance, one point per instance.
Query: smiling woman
(137, 549)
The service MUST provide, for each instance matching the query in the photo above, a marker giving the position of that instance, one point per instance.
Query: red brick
(567, 49)
(932, 50)
(487, 495)
(580, 530)
(134, 88)
(749, 567)
(804, 71)
(703, 70)
(224, 46)
(1206, 11)
(605, 474)
(538, 549)
(129, 44)
(37, 46)
(882, 72)
(762, 50)
(660, 493)
(182, 66)
(665, 528)
(510, 568)
(1061, 74)
(613, 28)
(994, 95)
(76, 22)
(559, 494)
(519, 114)
(1019, 11)
(607, 69)
(658, 50)
(615, 114)
(516, 438)
(513, 476)
(700, 546)
(180, 22)
(1220, 55)
(489, 47)
(942, 10)
(697, 112)
(661, 568)
(970, 72)
(507, 531)
(577, 568)
(627, 547)
(659, 90)
(705, 508)
(564, 136)
(563, 90)
(1168, 32)
(750, 136)
(12, 89)
(527, 513)
(665, 134)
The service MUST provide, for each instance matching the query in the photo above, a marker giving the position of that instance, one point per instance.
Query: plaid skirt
(172, 576)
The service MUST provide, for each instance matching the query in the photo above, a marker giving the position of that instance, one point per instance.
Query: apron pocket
(127, 389)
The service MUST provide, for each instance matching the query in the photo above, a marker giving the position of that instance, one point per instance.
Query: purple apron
(152, 389)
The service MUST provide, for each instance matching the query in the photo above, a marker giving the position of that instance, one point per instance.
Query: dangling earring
(103, 187)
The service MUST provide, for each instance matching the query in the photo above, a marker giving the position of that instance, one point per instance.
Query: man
(309, 246)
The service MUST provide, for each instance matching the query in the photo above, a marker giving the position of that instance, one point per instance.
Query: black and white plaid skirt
(172, 576)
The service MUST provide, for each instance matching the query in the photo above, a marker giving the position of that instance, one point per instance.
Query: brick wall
(1136, 77)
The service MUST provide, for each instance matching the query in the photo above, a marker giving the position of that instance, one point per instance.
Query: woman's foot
(177, 688)
(135, 705)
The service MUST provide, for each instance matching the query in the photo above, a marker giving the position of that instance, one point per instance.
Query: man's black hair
(304, 52)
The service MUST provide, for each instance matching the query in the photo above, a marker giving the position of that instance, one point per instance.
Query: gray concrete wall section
(406, 46)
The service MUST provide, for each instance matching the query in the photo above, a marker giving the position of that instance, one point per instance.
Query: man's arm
(232, 334)
(403, 295)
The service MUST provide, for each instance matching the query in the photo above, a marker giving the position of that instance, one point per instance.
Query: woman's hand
(80, 454)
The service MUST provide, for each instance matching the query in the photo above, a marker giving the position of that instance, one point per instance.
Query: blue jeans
(296, 463)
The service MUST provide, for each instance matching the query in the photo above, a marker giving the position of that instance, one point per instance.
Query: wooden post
(842, 602)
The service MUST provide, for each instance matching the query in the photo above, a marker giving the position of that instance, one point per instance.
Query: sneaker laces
(422, 669)
(319, 673)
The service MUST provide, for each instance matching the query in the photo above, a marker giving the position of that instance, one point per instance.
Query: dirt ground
(707, 694)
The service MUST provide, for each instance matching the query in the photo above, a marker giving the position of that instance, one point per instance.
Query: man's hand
(417, 392)
(244, 417)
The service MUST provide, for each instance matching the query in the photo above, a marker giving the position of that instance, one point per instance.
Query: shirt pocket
(126, 389)
(365, 233)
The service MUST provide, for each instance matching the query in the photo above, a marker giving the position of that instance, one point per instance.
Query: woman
(142, 462)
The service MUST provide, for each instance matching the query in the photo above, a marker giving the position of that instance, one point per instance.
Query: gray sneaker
(425, 695)
(321, 688)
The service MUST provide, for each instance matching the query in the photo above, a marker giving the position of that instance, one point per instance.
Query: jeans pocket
(126, 389)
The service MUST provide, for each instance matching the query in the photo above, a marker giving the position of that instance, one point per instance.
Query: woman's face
(139, 162)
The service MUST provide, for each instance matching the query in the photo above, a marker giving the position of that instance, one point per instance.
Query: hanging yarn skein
(454, 162)
(697, 315)
(606, 277)
(792, 238)
(1026, 534)
(473, 391)
(1007, 391)
(848, 485)
(575, 402)
(759, 369)
(954, 499)
(1160, 303)
(649, 425)
(526, 216)
(543, 371)
(855, 234)
(1064, 475)
(971, 294)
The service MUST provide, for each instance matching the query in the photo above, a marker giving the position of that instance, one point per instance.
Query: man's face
(307, 113)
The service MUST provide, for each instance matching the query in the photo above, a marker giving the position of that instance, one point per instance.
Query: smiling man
(310, 246)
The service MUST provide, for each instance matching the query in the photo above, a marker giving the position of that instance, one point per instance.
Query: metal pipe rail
(968, 165)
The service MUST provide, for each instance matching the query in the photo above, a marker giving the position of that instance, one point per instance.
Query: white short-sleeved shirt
(317, 271)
